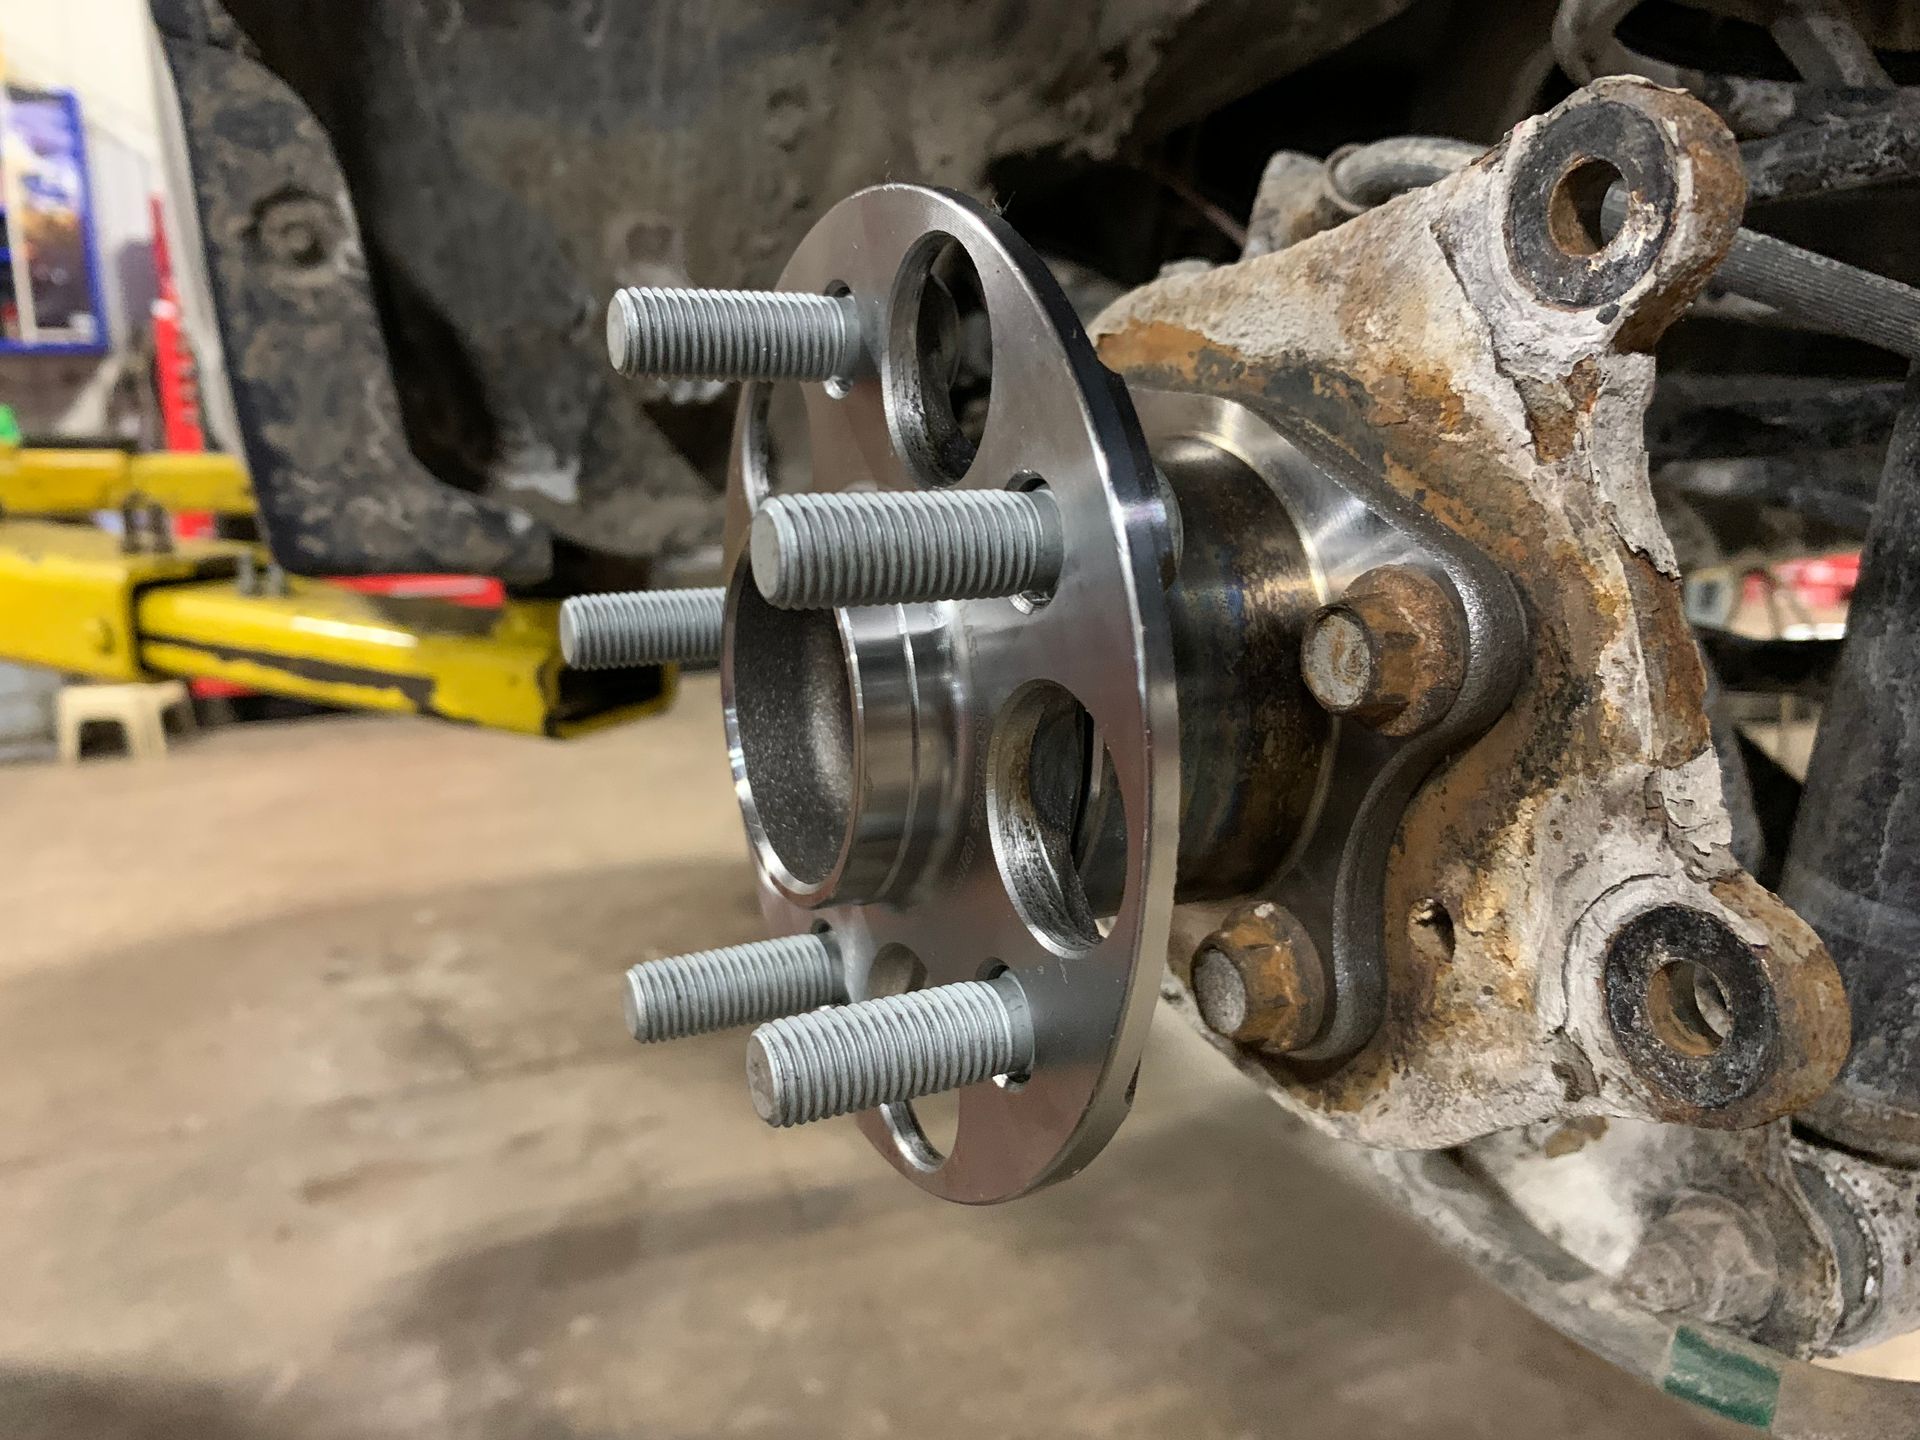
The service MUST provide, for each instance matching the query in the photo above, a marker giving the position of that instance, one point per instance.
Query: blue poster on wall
(50, 278)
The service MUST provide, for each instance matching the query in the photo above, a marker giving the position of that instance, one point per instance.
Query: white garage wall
(99, 50)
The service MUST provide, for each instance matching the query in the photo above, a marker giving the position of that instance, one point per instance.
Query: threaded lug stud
(874, 1052)
(739, 985)
(641, 627)
(896, 548)
(687, 334)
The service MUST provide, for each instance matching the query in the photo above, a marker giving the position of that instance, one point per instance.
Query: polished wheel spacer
(976, 789)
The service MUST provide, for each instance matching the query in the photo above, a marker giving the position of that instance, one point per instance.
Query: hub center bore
(839, 723)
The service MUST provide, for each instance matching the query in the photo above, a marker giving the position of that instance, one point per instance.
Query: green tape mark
(1727, 1382)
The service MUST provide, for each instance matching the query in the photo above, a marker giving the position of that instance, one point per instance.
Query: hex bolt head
(1706, 1257)
(620, 630)
(1259, 979)
(296, 229)
(695, 334)
(898, 548)
(898, 1047)
(1391, 653)
(739, 985)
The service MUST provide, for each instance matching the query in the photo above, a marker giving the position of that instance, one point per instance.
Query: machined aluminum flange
(915, 778)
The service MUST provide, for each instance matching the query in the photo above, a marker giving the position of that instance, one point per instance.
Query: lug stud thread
(641, 627)
(895, 548)
(697, 334)
(738, 985)
(874, 1052)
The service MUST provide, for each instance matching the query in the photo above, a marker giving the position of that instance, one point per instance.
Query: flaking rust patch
(1696, 814)
(1408, 339)
(1614, 438)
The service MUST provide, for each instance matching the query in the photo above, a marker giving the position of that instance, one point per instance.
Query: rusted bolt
(1391, 652)
(295, 229)
(1259, 979)
(1705, 1257)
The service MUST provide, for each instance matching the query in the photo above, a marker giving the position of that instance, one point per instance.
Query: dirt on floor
(318, 1119)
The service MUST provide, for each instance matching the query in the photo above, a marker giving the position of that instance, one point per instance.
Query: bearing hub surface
(916, 778)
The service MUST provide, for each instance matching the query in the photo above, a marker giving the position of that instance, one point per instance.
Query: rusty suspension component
(1357, 684)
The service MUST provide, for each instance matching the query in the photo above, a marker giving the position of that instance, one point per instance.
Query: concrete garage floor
(317, 1118)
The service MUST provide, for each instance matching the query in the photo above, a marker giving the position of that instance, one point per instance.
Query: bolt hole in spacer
(913, 766)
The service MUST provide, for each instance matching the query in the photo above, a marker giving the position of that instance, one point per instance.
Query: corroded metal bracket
(1482, 346)
(1356, 525)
